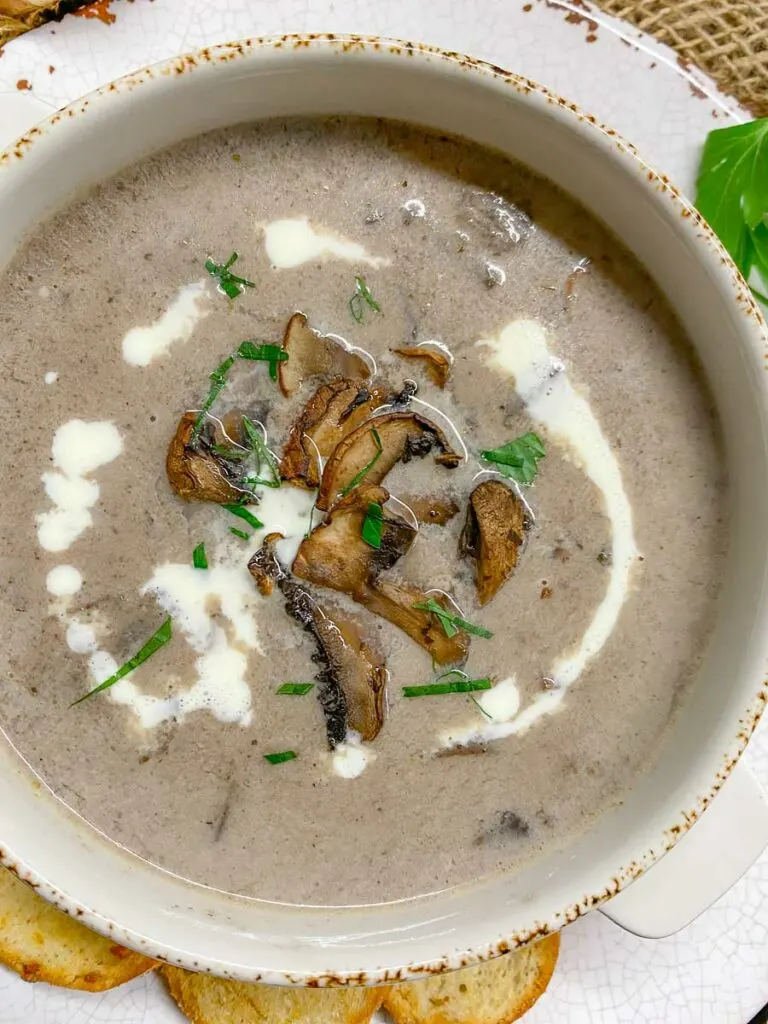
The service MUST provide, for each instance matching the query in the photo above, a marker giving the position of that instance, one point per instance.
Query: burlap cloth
(727, 39)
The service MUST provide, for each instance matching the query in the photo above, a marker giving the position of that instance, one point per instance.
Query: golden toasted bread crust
(41, 943)
(208, 1000)
(498, 991)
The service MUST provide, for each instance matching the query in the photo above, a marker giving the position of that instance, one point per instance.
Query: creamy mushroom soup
(363, 511)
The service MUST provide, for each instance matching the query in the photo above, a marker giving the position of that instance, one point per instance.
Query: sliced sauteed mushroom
(333, 412)
(371, 450)
(435, 363)
(196, 473)
(493, 534)
(352, 679)
(395, 602)
(311, 354)
(336, 556)
(431, 509)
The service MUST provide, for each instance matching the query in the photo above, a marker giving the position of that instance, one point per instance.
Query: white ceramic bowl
(166, 916)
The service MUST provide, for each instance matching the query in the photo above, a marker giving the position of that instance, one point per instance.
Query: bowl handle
(706, 862)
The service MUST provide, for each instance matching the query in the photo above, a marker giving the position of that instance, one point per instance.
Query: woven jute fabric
(727, 39)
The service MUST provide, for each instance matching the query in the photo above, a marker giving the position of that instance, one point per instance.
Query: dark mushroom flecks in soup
(370, 485)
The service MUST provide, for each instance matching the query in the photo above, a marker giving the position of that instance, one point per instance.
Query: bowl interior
(234, 936)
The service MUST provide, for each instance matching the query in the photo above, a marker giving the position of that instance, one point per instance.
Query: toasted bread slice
(41, 943)
(495, 992)
(208, 1000)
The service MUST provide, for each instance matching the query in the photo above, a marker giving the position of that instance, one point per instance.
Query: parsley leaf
(243, 513)
(362, 297)
(373, 525)
(732, 192)
(452, 623)
(218, 381)
(263, 455)
(284, 755)
(229, 283)
(271, 354)
(155, 642)
(518, 459)
(358, 477)
(455, 681)
(294, 689)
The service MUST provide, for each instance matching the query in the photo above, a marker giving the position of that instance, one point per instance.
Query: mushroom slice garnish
(493, 534)
(196, 473)
(335, 410)
(395, 602)
(435, 363)
(370, 451)
(431, 509)
(311, 354)
(336, 556)
(352, 679)
(350, 665)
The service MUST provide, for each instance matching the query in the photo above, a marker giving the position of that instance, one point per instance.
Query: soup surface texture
(565, 582)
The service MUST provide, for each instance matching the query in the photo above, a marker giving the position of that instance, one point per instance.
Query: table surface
(716, 970)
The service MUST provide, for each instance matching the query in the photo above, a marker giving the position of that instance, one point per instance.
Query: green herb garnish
(264, 457)
(295, 689)
(239, 533)
(246, 514)
(452, 623)
(454, 681)
(155, 642)
(199, 557)
(229, 283)
(373, 525)
(445, 617)
(361, 297)
(732, 193)
(518, 459)
(356, 479)
(284, 755)
(470, 627)
(271, 354)
(218, 381)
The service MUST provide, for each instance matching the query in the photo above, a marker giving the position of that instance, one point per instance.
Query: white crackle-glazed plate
(717, 969)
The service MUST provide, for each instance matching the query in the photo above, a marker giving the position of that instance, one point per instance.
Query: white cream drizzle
(189, 594)
(63, 581)
(215, 611)
(143, 344)
(292, 241)
(350, 758)
(502, 702)
(521, 352)
(220, 688)
(79, 448)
